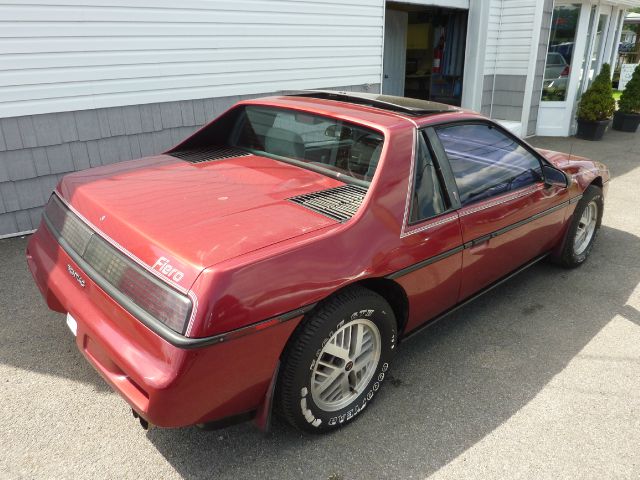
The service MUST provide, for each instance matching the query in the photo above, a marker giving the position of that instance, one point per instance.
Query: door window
(427, 200)
(487, 162)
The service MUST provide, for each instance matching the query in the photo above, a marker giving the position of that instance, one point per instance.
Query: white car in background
(556, 66)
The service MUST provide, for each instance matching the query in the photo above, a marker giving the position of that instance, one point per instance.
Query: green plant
(597, 102)
(630, 99)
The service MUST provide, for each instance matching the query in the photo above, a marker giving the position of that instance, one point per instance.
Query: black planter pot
(592, 129)
(626, 122)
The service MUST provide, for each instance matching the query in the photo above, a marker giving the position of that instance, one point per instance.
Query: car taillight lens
(109, 268)
(566, 71)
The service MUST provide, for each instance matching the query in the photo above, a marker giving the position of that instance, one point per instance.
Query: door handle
(478, 241)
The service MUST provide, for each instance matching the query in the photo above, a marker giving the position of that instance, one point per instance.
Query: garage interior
(424, 52)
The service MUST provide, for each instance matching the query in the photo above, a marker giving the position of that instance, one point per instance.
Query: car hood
(195, 215)
(571, 163)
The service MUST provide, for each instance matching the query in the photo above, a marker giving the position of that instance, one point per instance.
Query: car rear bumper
(167, 385)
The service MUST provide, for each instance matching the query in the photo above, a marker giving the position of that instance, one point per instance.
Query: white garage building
(91, 82)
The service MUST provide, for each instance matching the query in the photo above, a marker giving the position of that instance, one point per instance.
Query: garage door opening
(424, 50)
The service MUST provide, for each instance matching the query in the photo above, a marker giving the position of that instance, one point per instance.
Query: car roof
(413, 107)
(373, 109)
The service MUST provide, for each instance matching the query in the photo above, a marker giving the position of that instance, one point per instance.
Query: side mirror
(553, 176)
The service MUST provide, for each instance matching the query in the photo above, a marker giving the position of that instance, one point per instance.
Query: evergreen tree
(597, 102)
(630, 98)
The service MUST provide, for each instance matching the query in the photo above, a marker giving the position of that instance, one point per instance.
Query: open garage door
(424, 50)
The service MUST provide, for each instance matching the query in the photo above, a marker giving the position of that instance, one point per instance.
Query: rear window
(323, 142)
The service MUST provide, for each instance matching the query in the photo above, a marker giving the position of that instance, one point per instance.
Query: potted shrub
(596, 107)
(627, 118)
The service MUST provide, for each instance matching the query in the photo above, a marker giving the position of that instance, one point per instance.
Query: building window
(560, 54)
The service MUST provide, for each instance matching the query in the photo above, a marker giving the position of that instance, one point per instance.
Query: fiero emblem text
(168, 270)
(76, 275)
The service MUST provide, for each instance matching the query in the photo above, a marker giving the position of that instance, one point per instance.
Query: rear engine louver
(208, 154)
(339, 203)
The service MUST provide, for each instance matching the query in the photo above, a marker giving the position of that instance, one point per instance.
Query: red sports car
(275, 259)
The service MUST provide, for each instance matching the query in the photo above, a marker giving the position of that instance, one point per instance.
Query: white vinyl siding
(441, 3)
(509, 37)
(69, 55)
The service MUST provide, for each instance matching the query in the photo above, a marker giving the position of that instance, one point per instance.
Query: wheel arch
(597, 181)
(388, 289)
(394, 294)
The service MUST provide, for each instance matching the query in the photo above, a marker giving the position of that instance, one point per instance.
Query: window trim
(444, 159)
(446, 197)
(450, 184)
(497, 126)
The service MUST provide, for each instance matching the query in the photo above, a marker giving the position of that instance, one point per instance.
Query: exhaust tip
(143, 423)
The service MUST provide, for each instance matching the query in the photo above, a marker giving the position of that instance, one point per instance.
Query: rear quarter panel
(302, 271)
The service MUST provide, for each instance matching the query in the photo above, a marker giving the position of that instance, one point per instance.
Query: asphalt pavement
(539, 378)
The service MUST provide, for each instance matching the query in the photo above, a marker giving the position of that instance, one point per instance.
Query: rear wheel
(336, 361)
(584, 226)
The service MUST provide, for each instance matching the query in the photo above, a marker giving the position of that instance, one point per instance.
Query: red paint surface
(249, 254)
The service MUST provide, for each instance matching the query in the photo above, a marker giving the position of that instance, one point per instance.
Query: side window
(427, 200)
(486, 162)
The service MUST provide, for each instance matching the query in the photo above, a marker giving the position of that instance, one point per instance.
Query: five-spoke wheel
(345, 365)
(586, 227)
(336, 360)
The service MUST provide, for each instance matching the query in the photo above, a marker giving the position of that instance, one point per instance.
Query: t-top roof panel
(404, 105)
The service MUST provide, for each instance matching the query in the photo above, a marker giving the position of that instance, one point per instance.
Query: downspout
(384, 33)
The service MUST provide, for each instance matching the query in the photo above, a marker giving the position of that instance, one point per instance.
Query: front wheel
(336, 361)
(583, 228)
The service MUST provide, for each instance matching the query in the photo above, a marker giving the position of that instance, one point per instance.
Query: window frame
(449, 200)
(574, 63)
(443, 159)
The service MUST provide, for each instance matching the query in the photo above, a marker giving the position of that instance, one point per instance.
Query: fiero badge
(164, 267)
(76, 275)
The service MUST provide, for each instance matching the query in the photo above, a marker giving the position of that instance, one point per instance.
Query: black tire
(345, 311)
(569, 257)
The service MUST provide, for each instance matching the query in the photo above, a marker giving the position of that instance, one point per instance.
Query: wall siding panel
(506, 92)
(509, 37)
(73, 55)
(509, 47)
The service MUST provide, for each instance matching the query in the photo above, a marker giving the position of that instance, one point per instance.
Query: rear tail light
(566, 71)
(69, 227)
(144, 295)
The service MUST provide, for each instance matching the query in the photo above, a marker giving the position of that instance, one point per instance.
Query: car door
(508, 214)
(431, 241)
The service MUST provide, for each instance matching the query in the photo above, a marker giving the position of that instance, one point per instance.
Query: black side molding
(479, 240)
(424, 263)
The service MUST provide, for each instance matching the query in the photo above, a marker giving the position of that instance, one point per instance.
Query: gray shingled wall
(36, 151)
(508, 96)
(540, 64)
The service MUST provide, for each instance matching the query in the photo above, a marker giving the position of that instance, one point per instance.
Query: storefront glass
(560, 54)
(598, 46)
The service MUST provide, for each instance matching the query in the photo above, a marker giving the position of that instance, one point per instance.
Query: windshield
(321, 143)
